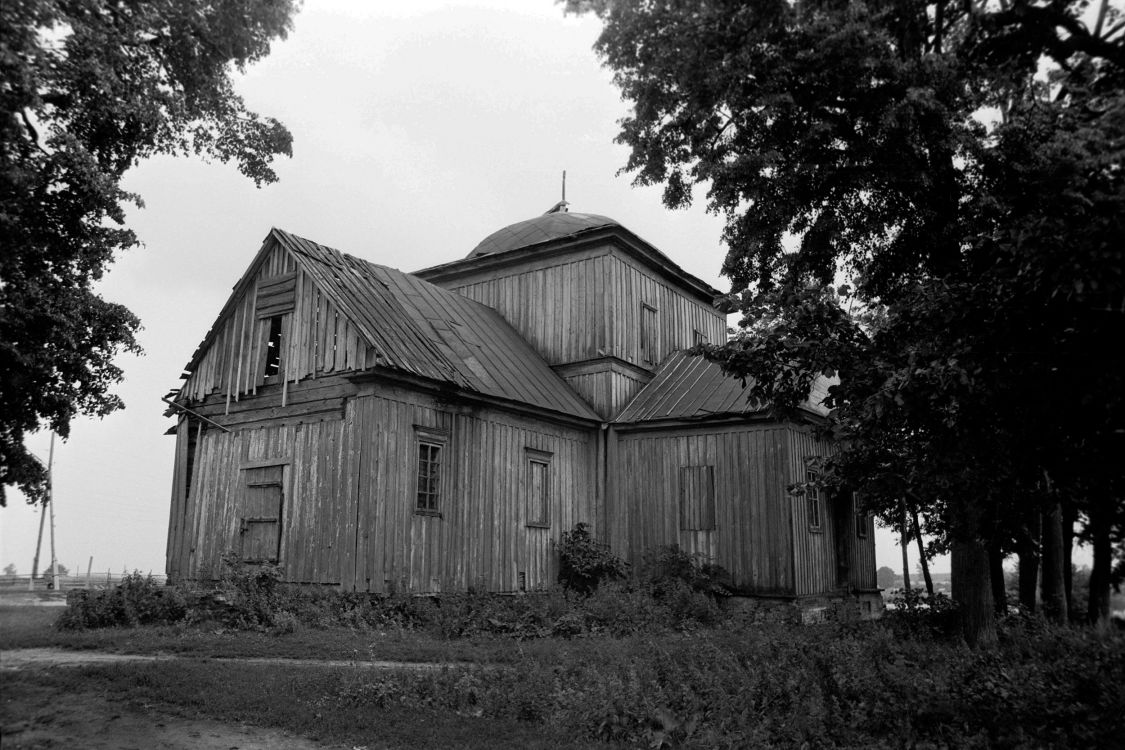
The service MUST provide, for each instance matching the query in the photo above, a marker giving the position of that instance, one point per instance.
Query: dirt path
(33, 658)
(39, 717)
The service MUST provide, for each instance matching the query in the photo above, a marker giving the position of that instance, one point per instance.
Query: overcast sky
(419, 128)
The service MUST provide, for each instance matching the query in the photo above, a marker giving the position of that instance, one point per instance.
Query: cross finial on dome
(561, 206)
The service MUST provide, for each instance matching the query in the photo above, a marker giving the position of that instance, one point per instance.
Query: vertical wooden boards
(481, 538)
(317, 339)
(587, 305)
(750, 538)
(814, 550)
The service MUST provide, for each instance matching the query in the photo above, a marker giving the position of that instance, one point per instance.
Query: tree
(10, 569)
(973, 204)
(91, 87)
(63, 571)
(885, 577)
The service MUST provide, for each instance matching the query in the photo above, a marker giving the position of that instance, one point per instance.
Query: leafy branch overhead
(957, 164)
(90, 89)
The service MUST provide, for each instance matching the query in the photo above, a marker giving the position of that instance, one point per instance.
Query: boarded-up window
(430, 449)
(276, 295)
(649, 334)
(812, 499)
(697, 498)
(260, 523)
(538, 488)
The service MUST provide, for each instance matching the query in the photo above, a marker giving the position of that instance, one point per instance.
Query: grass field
(856, 685)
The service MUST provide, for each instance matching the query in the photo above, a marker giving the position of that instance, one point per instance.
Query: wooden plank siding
(348, 496)
(607, 391)
(481, 538)
(819, 554)
(316, 340)
(751, 538)
(587, 305)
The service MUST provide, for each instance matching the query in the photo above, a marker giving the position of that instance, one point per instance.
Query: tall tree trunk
(1027, 548)
(996, 577)
(1100, 514)
(922, 554)
(971, 590)
(1069, 516)
(1053, 587)
(904, 542)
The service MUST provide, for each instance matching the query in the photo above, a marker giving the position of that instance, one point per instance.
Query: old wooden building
(377, 430)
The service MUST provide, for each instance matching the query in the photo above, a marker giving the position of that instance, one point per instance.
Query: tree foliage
(959, 163)
(90, 88)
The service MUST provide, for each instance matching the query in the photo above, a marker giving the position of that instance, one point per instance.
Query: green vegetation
(891, 683)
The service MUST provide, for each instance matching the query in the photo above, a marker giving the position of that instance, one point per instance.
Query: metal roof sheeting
(421, 329)
(693, 388)
(539, 229)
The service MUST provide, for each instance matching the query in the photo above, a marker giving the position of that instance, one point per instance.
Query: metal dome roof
(549, 226)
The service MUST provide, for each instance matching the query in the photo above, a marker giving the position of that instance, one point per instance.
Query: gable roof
(422, 329)
(693, 388)
(417, 328)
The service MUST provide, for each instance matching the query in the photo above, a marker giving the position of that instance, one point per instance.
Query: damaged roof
(421, 329)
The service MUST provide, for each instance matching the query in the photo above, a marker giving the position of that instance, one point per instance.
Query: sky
(418, 128)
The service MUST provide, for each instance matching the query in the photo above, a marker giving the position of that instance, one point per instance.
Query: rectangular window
(812, 498)
(860, 517)
(538, 488)
(697, 498)
(430, 451)
(648, 334)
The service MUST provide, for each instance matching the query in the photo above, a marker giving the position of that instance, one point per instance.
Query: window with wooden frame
(698, 337)
(812, 501)
(430, 448)
(649, 335)
(861, 517)
(538, 488)
(697, 498)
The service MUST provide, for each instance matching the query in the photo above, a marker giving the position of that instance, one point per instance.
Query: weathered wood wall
(349, 493)
(587, 305)
(316, 338)
(605, 384)
(815, 552)
(482, 538)
(752, 531)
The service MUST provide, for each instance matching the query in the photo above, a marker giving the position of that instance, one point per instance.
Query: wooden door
(262, 502)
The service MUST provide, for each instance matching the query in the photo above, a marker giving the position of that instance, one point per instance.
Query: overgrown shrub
(584, 562)
(137, 600)
(668, 564)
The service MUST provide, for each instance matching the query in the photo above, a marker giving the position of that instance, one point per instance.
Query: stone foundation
(807, 610)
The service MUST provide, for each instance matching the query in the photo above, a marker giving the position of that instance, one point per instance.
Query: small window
(697, 498)
(430, 476)
(273, 347)
(648, 333)
(538, 488)
(698, 337)
(860, 517)
(812, 498)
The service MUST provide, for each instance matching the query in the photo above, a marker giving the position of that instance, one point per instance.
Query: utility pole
(51, 503)
(42, 517)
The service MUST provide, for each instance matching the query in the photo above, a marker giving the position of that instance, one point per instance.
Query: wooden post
(89, 568)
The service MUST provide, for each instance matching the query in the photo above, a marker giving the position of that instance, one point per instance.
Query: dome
(550, 226)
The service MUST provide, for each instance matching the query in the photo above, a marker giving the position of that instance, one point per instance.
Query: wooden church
(382, 431)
